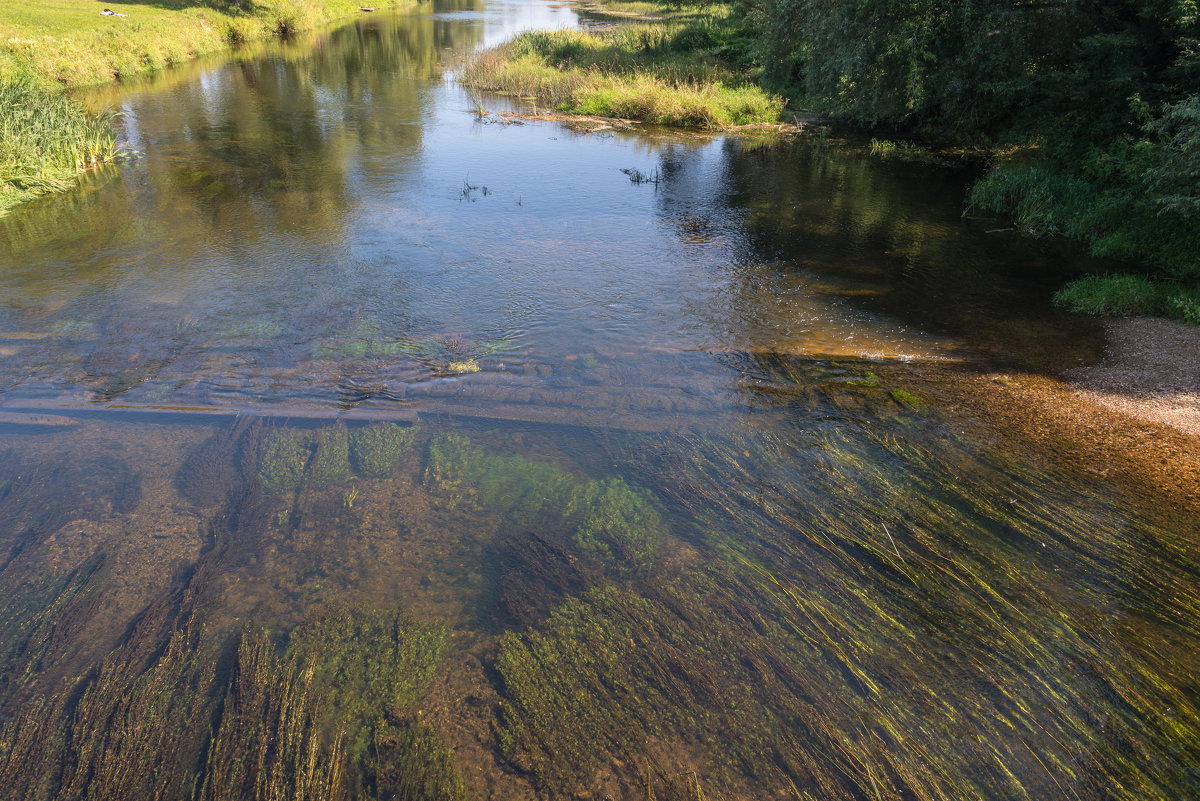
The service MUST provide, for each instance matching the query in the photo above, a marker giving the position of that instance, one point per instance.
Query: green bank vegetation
(48, 45)
(691, 68)
(46, 139)
(1103, 94)
(69, 42)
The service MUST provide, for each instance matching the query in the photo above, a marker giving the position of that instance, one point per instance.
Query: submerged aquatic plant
(285, 457)
(289, 459)
(331, 461)
(376, 449)
(332, 716)
(461, 472)
(609, 523)
(866, 601)
(617, 525)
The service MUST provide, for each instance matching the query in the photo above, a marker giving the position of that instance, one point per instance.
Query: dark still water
(359, 447)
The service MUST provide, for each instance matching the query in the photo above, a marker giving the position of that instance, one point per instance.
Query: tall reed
(46, 137)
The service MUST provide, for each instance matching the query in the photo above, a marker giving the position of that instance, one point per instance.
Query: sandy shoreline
(1151, 372)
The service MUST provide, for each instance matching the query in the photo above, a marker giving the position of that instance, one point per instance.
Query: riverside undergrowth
(46, 139)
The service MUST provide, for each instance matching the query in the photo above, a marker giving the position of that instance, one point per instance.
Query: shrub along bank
(1107, 92)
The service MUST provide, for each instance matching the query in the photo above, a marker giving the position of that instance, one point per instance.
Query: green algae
(290, 459)
(252, 329)
(377, 449)
(606, 522)
(867, 379)
(73, 327)
(618, 525)
(284, 459)
(463, 473)
(331, 461)
(908, 400)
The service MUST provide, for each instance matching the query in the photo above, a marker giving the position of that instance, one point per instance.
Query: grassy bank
(691, 68)
(69, 42)
(47, 46)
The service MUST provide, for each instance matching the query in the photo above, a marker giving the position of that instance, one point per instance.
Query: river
(358, 445)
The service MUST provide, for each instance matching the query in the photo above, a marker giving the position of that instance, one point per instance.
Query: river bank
(73, 43)
(47, 47)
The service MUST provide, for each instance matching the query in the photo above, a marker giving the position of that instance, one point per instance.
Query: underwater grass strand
(968, 530)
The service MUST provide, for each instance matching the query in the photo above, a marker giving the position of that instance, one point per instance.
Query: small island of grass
(690, 67)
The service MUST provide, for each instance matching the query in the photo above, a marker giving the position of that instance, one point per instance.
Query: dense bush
(1106, 91)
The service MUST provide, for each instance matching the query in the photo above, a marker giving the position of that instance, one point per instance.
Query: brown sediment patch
(1155, 463)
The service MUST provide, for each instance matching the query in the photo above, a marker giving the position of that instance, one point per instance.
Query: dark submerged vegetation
(185, 706)
(782, 642)
(830, 610)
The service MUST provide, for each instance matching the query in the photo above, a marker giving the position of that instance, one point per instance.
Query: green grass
(692, 69)
(70, 43)
(1130, 296)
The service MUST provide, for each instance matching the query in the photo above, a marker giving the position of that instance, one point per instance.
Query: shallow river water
(357, 445)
